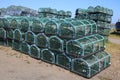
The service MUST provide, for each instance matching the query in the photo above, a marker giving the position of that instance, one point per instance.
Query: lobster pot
(37, 26)
(34, 51)
(76, 29)
(99, 9)
(41, 40)
(68, 14)
(30, 37)
(10, 34)
(104, 58)
(90, 9)
(104, 31)
(56, 44)
(16, 45)
(25, 24)
(15, 23)
(81, 16)
(6, 23)
(18, 35)
(83, 47)
(1, 23)
(48, 56)
(61, 14)
(63, 61)
(25, 47)
(2, 36)
(90, 66)
(53, 13)
(51, 27)
(94, 26)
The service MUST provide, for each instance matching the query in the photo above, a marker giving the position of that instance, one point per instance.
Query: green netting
(15, 23)
(25, 48)
(10, 34)
(104, 31)
(37, 26)
(103, 24)
(63, 61)
(47, 56)
(92, 65)
(34, 51)
(85, 46)
(30, 37)
(56, 44)
(18, 35)
(2, 33)
(16, 45)
(41, 40)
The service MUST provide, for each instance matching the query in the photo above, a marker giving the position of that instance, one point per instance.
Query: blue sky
(71, 5)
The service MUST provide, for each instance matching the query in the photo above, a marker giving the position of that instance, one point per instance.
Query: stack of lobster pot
(102, 16)
(69, 43)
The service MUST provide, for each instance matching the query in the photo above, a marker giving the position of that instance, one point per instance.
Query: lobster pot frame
(104, 31)
(35, 51)
(18, 35)
(85, 46)
(25, 24)
(15, 23)
(16, 45)
(56, 44)
(10, 34)
(63, 61)
(25, 48)
(48, 56)
(76, 29)
(92, 65)
(30, 37)
(41, 40)
(37, 26)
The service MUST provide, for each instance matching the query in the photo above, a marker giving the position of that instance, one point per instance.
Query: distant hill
(17, 11)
